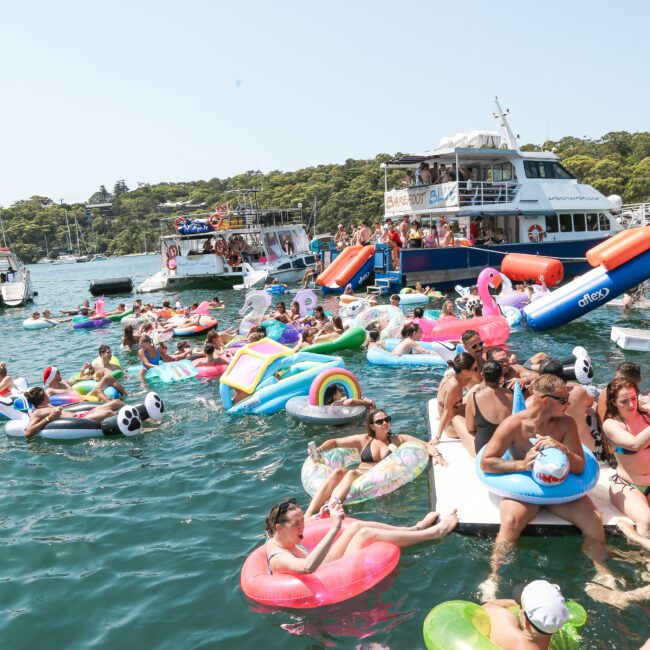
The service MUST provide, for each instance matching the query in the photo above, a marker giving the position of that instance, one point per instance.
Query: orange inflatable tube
(620, 248)
(520, 267)
(348, 262)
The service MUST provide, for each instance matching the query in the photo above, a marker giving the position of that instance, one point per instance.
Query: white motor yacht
(15, 284)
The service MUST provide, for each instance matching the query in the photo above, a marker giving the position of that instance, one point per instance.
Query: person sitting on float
(103, 381)
(6, 381)
(280, 314)
(348, 291)
(631, 372)
(450, 399)
(215, 303)
(312, 274)
(150, 355)
(306, 338)
(447, 311)
(47, 315)
(121, 308)
(285, 526)
(81, 310)
(545, 419)
(487, 406)
(628, 428)
(44, 412)
(374, 339)
(474, 345)
(209, 359)
(102, 364)
(129, 341)
(396, 301)
(334, 331)
(411, 334)
(294, 312)
(373, 446)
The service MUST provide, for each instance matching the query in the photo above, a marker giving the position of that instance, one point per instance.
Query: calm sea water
(138, 542)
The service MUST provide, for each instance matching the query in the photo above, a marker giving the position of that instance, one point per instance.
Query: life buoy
(221, 247)
(216, 220)
(234, 259)
(536, 233)
(180, 222)
(172, 252)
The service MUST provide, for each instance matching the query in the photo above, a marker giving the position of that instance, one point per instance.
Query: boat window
(604, 221)
(545, 169)
(502, 172)
(579, 222)
(285, 266)
(551, 223)
(566, 223)
(592, 221)
(310, 259)
(298, 263)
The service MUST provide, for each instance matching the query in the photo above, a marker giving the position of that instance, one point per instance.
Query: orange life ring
(236, 257)
(221, 247)
(172, 252)
(179, 222)
(216, 220)
(536, 233)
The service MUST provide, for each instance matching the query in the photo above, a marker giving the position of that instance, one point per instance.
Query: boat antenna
(508, 135)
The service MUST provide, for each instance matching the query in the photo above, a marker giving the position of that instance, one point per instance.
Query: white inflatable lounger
(458, 486)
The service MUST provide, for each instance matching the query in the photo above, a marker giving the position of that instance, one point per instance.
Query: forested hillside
(617, 163)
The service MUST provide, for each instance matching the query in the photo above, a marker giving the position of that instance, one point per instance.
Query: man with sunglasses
(545, 419)
(473, 344)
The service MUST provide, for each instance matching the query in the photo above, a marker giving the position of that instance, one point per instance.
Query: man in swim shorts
(541, 612)
(44, 412)
(544, 419)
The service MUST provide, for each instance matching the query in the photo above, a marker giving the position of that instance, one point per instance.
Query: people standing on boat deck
(488, 405)
(451, 409)
(395, 243)
(628, 429)
(447, 234)
(423, 174)
(443, 176)
(475, 229)
(364, 234)
(312, 274)
(403, 231)
(527, 621)
(340, 237)
(415, 236)
(546, 420)
(374, 445)
(377, 233)
(431, 239)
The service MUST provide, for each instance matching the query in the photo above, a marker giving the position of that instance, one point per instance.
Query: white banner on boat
(563, 197)
(421, 199)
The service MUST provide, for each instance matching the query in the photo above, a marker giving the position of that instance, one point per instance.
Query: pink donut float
(210, 372)
(494, 330)
(330, 583)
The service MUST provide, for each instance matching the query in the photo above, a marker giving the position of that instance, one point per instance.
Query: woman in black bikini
(374, 446)
(487, 406)
(285, 526)
(629, 430)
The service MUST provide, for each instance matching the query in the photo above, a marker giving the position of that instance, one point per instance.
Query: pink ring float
(330, 583)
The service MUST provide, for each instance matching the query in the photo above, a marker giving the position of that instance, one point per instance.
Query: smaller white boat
(15, 284)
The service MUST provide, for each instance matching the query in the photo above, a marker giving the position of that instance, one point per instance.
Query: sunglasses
(562, 400)
(476, 346)
(284, 506)
(387, 420)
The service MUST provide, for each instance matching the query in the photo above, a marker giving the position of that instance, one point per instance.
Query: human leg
(635, 505)
(324, 492)
(459, 425)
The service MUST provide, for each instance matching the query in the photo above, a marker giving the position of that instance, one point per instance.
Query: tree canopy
(617, 163)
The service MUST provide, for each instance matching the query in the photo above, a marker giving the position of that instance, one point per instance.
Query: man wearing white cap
(542, 612)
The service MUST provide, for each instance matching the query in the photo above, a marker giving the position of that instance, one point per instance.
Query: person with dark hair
(306, 338)
(474, 345)
(411, 334)
(373, 446)
(103, 362)
(129, 341)
(210, 359)
(630, 372)
(450, 399)
(628, 428)
(44, 412)
(374, 339)
(6, 380)
(511, 372)
(418, 312)
(536, 611)
(487, 406)
(285, 525)
(280, 313)
(545, 418)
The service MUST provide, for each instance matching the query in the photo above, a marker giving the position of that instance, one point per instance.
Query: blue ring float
(522, 487)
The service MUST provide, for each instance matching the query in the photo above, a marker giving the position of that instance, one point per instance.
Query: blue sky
(159, 91)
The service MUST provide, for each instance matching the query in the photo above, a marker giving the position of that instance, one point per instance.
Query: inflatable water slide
(352, 266)
(620, 262)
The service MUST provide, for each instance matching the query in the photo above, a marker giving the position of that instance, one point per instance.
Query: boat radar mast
(508, 135)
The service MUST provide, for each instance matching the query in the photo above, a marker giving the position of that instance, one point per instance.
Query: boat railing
(634, 214)
(248, 218)
(484, 193)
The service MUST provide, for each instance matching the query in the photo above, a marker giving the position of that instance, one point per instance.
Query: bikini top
(156, 360)
(366, 454)
(629, 452)
(284, 550)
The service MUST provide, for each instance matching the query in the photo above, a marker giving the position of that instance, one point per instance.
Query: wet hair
(104, 348)
(211, 336)
(208, 348)
(36, 396)
(551, 367)
(337, 322)
(145, 339)
(492, 372)
(469, 334)
(418, 312)
(3, 369)
(319, 310)
(374, 335)
(409, 330)
(307, 333)
(528, 282)
(370, 420)
(546, 384)
(278, 515)
(396, 296)
(330, 391)
(462, 361)
(612, 390)
(630, 371)
(128, 339)
(281, 305)
(166, 304)
(260, 329)
(477, 311)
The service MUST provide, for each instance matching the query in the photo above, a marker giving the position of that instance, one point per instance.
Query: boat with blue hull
(497, 199)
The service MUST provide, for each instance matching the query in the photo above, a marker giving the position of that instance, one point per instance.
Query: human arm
(356, 401)
(491, 461)
(350, 442)
(570, 445)
(621, 437)
(451, 397)
(39, 419)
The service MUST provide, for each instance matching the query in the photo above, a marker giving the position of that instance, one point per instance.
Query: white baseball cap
(543, 604)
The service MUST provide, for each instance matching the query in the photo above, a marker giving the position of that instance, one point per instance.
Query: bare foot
(606, 580)
(602, 594)
(631, 533)
(444, 526)
(487, 590)
(426, 521)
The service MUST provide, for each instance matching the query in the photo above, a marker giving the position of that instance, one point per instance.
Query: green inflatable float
(351, 339)
(121, 315)
(461, 625)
